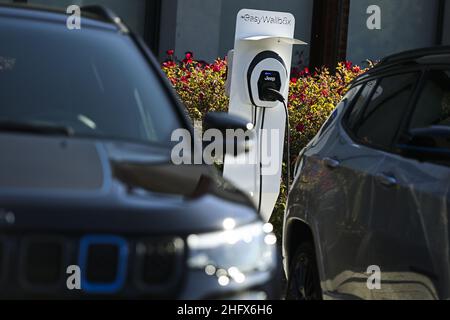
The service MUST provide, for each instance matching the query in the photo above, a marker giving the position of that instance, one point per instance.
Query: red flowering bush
(200, 85)
(312, 97)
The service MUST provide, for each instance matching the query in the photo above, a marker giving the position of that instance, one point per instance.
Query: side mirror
(237, 133)
(223, 121)
(427, 144)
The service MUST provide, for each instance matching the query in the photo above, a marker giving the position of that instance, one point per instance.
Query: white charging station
(260, 62)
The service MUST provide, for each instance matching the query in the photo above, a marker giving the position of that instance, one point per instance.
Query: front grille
(42, 262)
(102, 263)
(36, 265)
(159, 260)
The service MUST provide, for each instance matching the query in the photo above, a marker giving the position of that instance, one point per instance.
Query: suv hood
(99, 177)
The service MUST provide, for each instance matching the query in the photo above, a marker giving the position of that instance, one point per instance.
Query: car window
(359, 104)
(381, 119)
(350, 95)
(347, 99)
(92, 80)
(433, 104)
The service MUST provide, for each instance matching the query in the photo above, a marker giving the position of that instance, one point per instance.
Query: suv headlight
(234, 252)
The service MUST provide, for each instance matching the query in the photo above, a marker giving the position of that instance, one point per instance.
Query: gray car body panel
(358, 219)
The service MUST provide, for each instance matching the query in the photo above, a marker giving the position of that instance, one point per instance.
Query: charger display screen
(268, 79)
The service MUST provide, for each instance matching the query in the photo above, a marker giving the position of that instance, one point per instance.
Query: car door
(334, 171)
(416, 249)
(350, 215)
(391, 240)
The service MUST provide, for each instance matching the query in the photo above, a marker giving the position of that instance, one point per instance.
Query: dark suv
(87, 185)
(368, 214)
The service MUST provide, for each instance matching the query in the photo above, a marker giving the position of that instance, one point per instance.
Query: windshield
(93, 81)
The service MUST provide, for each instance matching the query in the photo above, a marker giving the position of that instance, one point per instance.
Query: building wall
(198, 28)
(168, 26)
(207, 26)
(131, 11)
(405, 24)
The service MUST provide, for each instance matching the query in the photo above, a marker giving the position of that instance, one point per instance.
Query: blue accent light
(119, 281)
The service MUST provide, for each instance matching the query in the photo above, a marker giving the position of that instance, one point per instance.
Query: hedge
(312, 98)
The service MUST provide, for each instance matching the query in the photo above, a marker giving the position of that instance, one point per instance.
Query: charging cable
(263, 116)
(274, 94)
